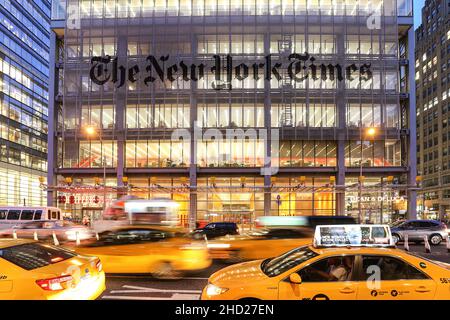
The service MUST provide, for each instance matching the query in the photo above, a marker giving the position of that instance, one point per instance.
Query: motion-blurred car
(302, 221)
(30, 270)
(215, 230)
(259, 244)
(436, 231)
(64, 230)
(164, 252)
(326, 271)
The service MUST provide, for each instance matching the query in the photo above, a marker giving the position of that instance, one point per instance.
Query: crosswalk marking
(175, 294)
(135, 289)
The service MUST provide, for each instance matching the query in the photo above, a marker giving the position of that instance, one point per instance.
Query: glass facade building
(332, 140)
(24, 74)
(433, 106)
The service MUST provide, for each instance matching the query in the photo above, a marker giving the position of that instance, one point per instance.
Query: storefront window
(372, 202)
(305, 200)
(225, 199)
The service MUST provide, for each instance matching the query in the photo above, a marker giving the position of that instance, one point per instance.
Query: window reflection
(230, 153)
(305, 154)
(373, 153)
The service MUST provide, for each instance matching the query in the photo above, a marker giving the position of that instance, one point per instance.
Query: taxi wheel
(435, 239)
(165, 271)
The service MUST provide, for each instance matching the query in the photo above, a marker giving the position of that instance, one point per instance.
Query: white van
(10, 216)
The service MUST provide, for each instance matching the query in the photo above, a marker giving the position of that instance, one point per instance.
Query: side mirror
(295, 278)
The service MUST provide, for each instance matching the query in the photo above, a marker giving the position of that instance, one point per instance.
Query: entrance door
(327, 279)
(93, 214)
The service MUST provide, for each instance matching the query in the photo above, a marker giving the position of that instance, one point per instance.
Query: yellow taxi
(258, 244)
(30, 270)
(339, 265)
(161, 251)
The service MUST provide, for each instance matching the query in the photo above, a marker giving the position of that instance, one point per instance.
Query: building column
(52, 146)
(120, 126)
(268, 142)
(340, 179)
(341, 129)
(193, 143)
(412, 151)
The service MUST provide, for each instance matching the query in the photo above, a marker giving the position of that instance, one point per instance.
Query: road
(143, 287)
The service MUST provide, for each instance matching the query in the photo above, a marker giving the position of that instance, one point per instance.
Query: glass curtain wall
(137, 119)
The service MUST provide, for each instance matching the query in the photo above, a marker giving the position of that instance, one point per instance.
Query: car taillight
(54, 284)
(99, 266)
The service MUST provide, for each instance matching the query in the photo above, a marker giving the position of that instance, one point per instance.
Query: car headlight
(213, 290)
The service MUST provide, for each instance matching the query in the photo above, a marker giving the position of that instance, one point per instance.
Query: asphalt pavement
(144, 287)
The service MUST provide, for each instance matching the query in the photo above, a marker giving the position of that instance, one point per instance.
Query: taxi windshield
(276, 266)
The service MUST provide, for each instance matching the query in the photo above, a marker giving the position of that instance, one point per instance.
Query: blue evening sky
(418, 5)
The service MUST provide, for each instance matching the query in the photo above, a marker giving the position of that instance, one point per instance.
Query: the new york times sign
(298, 68)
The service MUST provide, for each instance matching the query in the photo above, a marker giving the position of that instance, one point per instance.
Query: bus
(11, 216)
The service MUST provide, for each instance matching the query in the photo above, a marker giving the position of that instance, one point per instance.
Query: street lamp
(91, 132)
(370, 132)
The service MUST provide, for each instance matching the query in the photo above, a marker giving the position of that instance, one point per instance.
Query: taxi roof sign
(353, 235)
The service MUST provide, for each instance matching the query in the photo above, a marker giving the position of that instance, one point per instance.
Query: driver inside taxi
(338, 269)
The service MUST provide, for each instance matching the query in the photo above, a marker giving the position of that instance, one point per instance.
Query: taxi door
(390, 278)
(316, 286)
(6, 280)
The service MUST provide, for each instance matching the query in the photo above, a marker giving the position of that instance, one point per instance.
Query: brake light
(99, 266)
(54, 284)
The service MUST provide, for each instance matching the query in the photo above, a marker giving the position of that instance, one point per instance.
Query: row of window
(27, 54)
(24, 37)
(21, 158)
(34, 123)
(234, 153)
(237, 45)
(13, 91)
(18, 75)
(149, 8)
(386, 80)
(246, 115)
(21, 137)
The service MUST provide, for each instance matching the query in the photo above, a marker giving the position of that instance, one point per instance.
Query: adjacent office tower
(338, 135)
(24, 72)
(433, 109)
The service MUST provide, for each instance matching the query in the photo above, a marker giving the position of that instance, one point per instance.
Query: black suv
(215, 229)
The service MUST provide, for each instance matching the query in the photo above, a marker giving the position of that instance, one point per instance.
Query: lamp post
(91, 131)
(370, 132)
